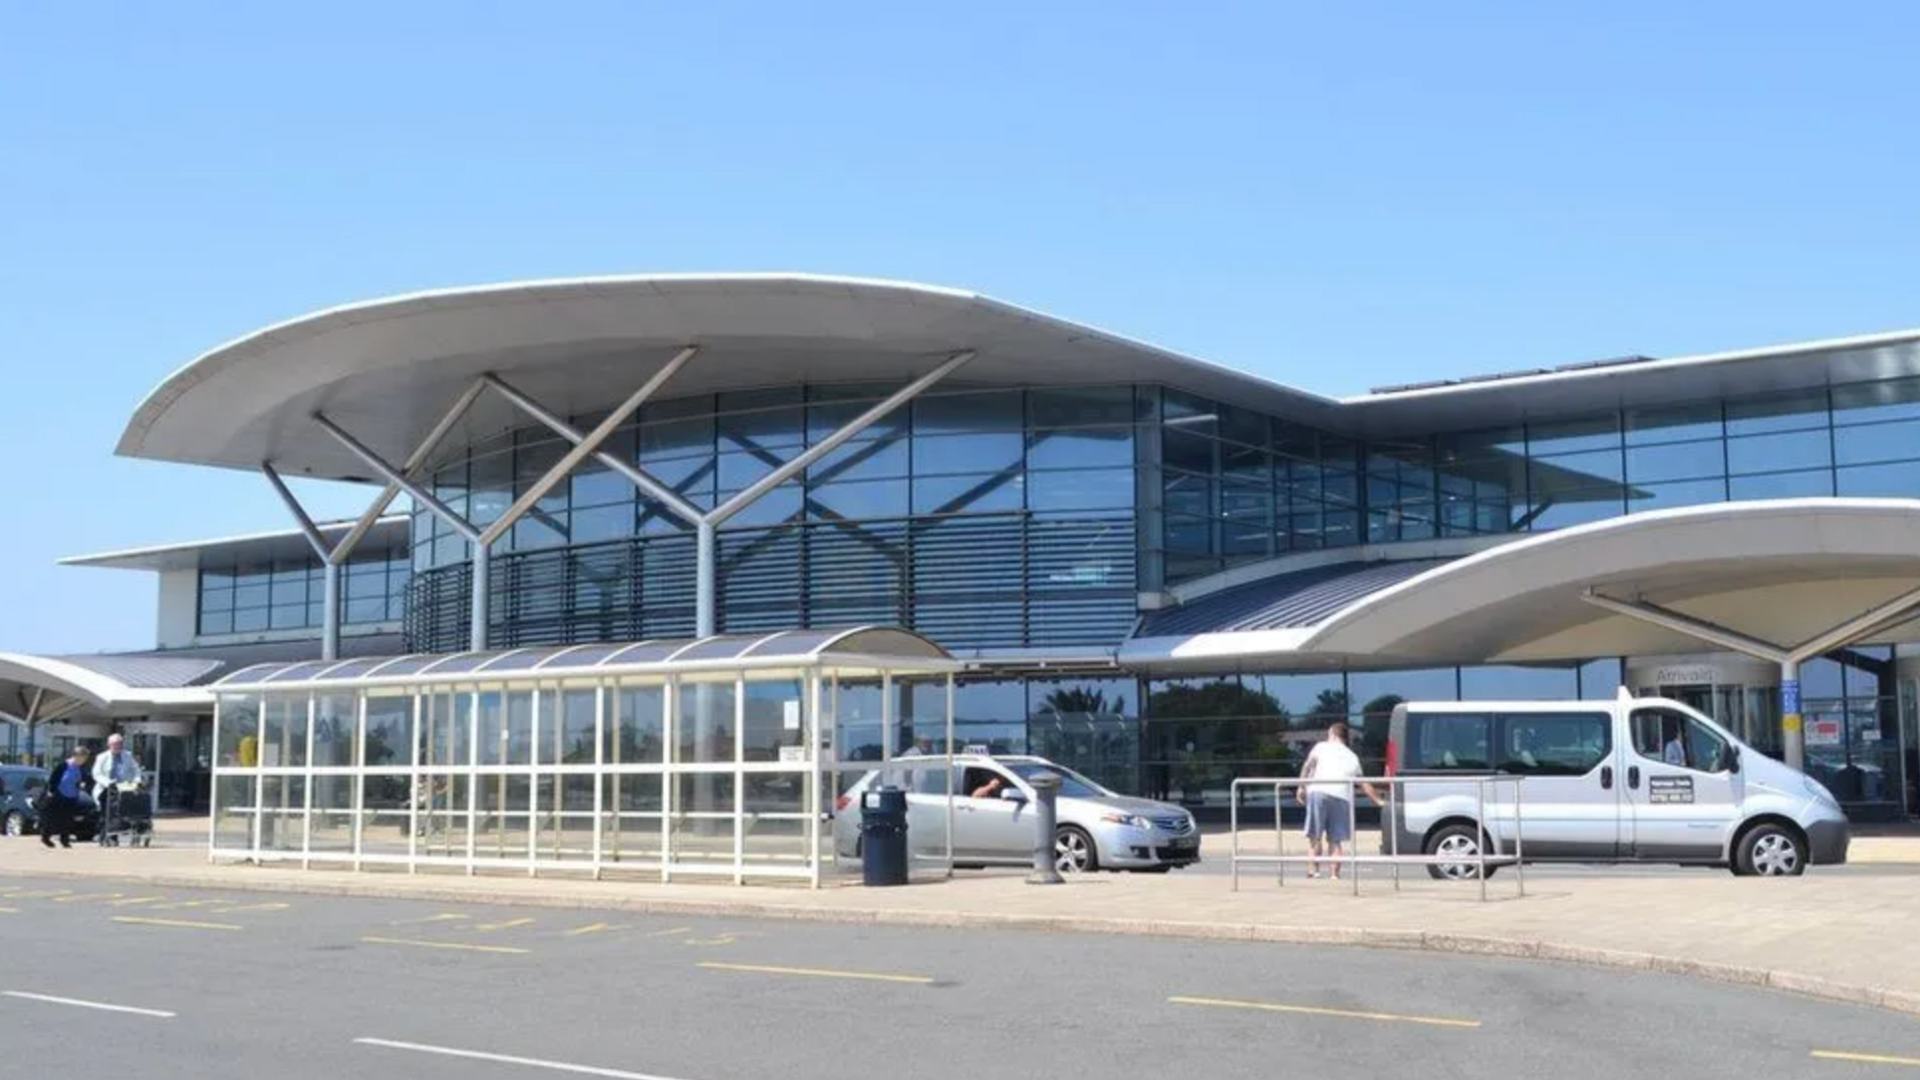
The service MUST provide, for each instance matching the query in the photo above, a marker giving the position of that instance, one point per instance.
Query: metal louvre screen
(978, 581)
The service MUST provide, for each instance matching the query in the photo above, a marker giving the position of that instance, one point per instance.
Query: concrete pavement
(1845, 937)
(183, 984)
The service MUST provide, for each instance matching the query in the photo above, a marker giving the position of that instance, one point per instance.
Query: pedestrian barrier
(1491, 852)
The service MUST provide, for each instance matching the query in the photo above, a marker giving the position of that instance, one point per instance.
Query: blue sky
(1336, 196)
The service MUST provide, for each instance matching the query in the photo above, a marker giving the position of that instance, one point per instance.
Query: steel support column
(705, 603)
(423, 497)
(1792, 736)
(832, 442)
(583, 445)
(335, 556)
(330, 614)
(648, 486)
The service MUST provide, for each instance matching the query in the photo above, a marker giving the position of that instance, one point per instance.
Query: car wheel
(1771, 851)
(1073, 851)
(1460, 842)
(16, 824)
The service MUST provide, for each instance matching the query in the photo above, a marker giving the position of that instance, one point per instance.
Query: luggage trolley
(126, 816)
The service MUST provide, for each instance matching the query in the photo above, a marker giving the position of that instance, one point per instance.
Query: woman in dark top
(69, 789)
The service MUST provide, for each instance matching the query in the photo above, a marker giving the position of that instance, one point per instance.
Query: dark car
(20, 785)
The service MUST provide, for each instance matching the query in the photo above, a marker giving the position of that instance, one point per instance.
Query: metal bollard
(1046, 787)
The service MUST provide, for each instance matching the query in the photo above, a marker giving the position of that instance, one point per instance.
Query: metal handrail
(1489, 856)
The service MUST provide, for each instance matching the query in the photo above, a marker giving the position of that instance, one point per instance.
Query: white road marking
(77, 1003)
(509, 1059)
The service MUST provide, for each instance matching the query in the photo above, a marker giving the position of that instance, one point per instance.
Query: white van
(1629, 780)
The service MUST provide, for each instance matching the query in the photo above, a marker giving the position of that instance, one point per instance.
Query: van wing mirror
(1730, 758)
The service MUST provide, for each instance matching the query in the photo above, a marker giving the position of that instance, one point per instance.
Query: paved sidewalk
(1845, 937)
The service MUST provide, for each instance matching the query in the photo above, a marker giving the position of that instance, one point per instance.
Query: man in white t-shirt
(1329, 809)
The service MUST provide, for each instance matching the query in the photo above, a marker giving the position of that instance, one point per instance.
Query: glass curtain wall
(248, 595)
(985, 518)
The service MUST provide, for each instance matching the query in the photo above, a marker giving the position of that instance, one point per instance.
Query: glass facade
(982, 518)
(1025, 518)
(250, 595)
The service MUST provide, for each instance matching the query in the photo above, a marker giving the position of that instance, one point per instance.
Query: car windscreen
(1072, 784)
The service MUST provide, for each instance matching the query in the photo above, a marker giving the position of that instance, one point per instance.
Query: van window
(1447, 741)
(1554, 744)
(1678, 740)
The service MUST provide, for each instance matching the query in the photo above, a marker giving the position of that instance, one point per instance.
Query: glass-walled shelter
(710, 757)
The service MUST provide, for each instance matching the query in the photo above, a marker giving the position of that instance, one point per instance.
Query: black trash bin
(883, 837)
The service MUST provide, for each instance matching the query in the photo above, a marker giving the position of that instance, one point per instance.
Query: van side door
(1679, 787)
(1570, 798)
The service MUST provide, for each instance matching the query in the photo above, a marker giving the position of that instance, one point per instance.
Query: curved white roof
(388, 368)
(1781, 570)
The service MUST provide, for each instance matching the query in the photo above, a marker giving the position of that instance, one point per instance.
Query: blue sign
(1790, 696)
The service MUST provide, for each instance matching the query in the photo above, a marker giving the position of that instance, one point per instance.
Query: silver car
(993, 818)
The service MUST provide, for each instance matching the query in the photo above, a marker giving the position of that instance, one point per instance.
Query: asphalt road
(247, 985)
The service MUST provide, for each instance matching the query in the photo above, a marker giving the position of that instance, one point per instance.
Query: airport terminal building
(1163, 572)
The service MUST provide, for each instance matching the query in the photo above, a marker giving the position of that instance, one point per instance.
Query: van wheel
(1461, 842)
(1771, 851)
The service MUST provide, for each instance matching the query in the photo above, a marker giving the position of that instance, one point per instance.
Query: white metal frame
(433, 693)
(1490, 831)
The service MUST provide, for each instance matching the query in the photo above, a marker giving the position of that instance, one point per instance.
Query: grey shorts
(1329, 816)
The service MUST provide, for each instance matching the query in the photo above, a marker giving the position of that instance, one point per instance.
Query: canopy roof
(388, 369)
(53, 688)
(1782, 571)
(867, 647)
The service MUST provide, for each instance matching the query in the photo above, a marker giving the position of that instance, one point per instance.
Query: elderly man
(116, 766)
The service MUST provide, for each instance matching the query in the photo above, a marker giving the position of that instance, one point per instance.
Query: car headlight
(1820, 793)
(1132, 821)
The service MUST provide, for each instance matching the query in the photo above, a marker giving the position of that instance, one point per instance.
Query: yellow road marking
(1866, 1059)
(593, 928)
(670, 933)
(40, 894)
(1314, 1010)
(507, 925)
(818, 973)
(132, 900)
(9, 911)
(178, 904)
(85, 897)
(461, 946)
(447, 917)
(184, 924)
(275, 906)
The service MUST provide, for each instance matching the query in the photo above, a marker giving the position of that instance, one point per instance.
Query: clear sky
(1336, 196)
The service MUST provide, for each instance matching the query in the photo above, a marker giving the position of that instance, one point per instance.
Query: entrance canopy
(34, 689)
(1779, 571)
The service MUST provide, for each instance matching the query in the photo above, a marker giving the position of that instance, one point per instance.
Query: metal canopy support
(335, 556)
(330, 586)
(1668, 619)
(652, 488)
(583, 446)
(440, 509)
(1792, 741)
(833, 442)
(393, 476)
(706, 589)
